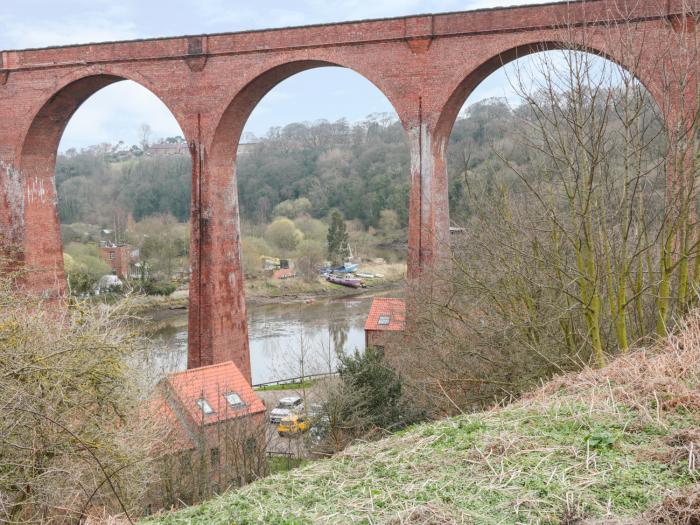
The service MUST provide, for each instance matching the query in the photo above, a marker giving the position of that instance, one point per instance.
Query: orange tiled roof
(395, 309)
(211, 383)
(284, 273)
(177, 438)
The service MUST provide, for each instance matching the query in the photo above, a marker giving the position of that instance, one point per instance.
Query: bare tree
(145, 133)
(195, 464)
(592, 245)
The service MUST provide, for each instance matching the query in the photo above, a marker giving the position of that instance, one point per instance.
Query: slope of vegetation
(360, 169)
(616, 445)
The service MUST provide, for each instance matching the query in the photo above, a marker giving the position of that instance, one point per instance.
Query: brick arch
(36, 165)
(425, 65)
(458, 97)
(217, 299)
(234, 117)
(75, 88)
(442, 109)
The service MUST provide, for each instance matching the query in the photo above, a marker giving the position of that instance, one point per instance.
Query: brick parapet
(537, 17)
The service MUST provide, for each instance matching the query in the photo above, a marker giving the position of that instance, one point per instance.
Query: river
(284, 338)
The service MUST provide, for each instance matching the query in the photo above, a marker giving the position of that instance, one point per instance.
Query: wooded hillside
(360, 169)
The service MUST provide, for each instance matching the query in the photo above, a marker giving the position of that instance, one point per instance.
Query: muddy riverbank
(173, 306)
(291, 291)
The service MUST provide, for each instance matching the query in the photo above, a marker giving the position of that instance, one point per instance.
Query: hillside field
(619, 445)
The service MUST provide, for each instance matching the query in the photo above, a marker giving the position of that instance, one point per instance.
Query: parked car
(293, 424)
(285, 407)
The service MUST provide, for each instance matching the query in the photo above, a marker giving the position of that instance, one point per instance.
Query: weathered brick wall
(118, 258)
(425, 65)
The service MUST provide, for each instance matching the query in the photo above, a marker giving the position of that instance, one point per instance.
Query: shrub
(74, 441)
(368, 402)
(158, 288)
(283, 234)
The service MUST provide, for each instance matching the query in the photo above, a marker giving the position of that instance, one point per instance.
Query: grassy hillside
(618, 445)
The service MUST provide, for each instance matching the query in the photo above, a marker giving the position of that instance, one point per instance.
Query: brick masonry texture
(425, 65)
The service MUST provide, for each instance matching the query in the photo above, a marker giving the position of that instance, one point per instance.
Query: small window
(215, 457)
(234, 399)
(250, 445)
(185, 462)
(206, 407)
(111, 256)
(384, 320)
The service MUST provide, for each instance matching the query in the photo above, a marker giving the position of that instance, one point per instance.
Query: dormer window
(205, 406)
(234, 400)
(384, 320)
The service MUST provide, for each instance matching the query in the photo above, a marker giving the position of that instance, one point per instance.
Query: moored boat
(346, 268)
(345, 281)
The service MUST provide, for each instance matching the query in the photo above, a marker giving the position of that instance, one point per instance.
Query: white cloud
(45, 35)
(100, 21)
(115, 113)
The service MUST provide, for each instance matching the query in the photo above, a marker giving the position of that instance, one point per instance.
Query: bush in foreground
(72, 439)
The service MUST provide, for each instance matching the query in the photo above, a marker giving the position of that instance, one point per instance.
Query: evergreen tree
(378, 401)
(338, 248)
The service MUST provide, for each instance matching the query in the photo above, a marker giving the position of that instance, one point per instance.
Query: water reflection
(285, 340)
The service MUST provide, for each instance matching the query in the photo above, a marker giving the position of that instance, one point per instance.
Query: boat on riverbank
(346, 268)
(345, 281)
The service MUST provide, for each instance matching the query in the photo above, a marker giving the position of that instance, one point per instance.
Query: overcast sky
(116, 112)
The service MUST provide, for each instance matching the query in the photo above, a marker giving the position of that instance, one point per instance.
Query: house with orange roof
(385, 323)
(214, 430)
(283, 273)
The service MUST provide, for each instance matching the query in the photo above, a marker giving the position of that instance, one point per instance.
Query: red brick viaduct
(425, 65)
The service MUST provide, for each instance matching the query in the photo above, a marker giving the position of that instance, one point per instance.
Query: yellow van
(293, 424)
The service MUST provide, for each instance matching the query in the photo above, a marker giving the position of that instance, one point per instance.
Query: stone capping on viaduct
(417, 27)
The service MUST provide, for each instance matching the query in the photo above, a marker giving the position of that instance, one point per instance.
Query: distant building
(247, 144)
(121, 258)
(108, 283)
(214, 431)
(385, 323)
(283, 273)
(167, 149)
(246, 148)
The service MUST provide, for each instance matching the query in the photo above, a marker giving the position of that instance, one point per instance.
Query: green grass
(279, 464)
(611, 443)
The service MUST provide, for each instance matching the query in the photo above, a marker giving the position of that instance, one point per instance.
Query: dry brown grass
(681, 508)
(665, 375)
(428, 514)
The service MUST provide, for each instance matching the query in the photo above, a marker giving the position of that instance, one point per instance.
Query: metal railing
(295, 380)
(275, 453)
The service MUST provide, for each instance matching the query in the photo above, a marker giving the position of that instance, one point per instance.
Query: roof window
(384, 320)
(234, 399)
(205, 406)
